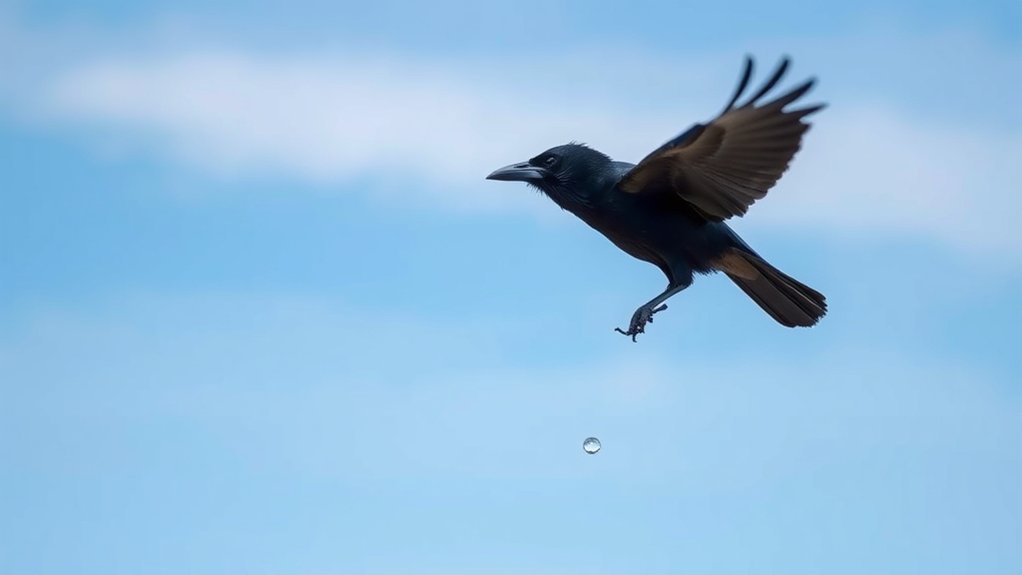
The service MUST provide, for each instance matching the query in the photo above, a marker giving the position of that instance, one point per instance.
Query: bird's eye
(550, 160)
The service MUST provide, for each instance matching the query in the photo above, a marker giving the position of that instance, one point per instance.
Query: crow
(669, 209)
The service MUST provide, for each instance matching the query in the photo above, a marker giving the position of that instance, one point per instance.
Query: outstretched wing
(723, 167)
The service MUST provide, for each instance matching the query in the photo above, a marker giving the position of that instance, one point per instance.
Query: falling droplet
(591, 445)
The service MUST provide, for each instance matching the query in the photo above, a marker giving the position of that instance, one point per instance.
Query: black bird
(670, 208)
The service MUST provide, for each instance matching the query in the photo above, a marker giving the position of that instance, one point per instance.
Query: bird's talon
(640, 318)
(632, 332)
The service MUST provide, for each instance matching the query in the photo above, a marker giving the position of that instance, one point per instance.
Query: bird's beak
(521, 172)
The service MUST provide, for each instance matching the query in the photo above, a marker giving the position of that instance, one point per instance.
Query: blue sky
(260, 313)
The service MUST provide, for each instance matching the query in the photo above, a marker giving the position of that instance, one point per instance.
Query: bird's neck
(580, 197)
(569, 198)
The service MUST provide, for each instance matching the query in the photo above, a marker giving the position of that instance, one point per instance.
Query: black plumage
(669, 209)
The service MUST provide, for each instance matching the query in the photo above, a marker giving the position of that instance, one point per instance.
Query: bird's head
(565, 173)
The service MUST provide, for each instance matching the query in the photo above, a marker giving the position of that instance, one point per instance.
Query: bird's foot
(640, 318)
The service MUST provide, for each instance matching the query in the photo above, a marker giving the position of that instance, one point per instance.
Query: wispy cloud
(329, 121)
(867, 170)
(432, 127)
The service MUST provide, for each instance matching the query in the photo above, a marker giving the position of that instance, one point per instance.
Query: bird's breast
(635, 236)
(665, 239)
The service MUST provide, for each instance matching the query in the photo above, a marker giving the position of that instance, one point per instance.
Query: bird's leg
(644, 314)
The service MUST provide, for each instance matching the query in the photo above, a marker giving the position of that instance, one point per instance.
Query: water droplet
(591, 445)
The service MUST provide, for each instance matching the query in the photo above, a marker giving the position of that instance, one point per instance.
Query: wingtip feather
(742, 83)
(772, 81)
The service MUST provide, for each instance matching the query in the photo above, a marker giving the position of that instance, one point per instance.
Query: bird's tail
(787, 300)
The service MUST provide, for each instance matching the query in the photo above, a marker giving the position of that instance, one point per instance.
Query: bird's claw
(640, 318)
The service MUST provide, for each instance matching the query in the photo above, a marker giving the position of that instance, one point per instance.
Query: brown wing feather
(734, 160)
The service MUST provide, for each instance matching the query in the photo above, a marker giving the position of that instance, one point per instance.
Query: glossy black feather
(669, 209)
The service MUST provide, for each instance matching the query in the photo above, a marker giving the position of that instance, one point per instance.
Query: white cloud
(328, 121)
(336, 121)
(869, 171)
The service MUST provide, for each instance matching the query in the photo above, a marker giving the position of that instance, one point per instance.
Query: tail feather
(786, 299)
